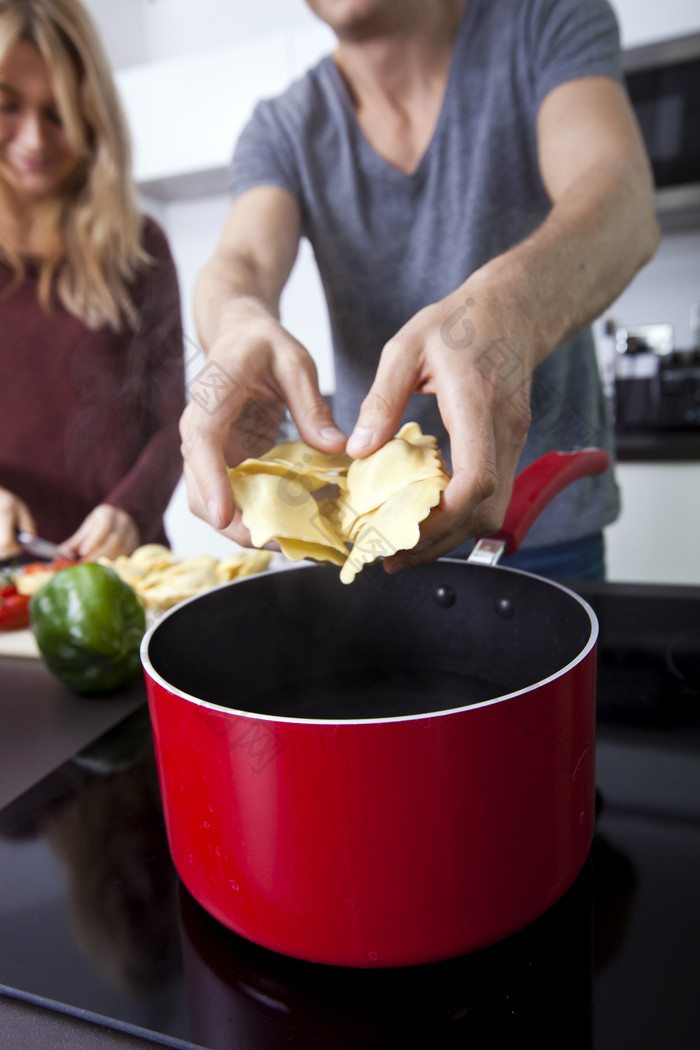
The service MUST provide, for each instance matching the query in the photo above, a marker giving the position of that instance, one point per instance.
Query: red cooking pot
(388, 773)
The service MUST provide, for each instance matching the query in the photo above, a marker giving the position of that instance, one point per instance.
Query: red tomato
(14, 610)
(63, 563)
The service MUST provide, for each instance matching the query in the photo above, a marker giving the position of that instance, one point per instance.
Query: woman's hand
(107, 532)
(15, 516)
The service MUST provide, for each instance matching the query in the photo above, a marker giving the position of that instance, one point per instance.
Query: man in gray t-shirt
(475, 191)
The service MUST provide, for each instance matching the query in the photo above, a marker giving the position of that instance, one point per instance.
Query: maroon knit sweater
(92, 417)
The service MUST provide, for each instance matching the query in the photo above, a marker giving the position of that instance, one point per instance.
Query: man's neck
(402, 60)
(397, 81)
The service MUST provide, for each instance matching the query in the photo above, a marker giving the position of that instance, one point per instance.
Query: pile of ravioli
(162, 580)
(333, 508)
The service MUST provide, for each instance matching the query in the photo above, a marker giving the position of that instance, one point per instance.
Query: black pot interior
(300, 644)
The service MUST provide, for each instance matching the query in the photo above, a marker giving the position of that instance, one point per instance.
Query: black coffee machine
(656, 384)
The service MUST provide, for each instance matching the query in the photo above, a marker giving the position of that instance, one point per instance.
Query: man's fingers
(381, 412)
(471, 504)
(297, 378)
(315, 423)
(208, 487)
(461, 515)
(236, 530)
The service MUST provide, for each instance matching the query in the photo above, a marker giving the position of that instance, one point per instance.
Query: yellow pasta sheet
(333, 508)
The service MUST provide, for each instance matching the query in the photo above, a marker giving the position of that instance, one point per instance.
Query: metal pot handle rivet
(505, 608)
(445, 596)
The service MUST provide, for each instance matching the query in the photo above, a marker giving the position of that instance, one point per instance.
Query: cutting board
(19, 643)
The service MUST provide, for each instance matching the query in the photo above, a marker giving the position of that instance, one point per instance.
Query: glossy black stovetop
(94, 922)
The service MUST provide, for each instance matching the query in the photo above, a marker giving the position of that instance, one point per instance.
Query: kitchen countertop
(657, 445)
(103, 946)
(43, 723)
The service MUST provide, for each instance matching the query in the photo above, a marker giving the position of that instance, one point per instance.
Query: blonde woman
(91, 363)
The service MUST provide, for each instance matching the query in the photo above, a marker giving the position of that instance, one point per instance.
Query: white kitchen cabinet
(655, 540)
(185, 113)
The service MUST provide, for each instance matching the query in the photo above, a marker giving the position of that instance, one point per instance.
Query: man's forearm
(564, 275)
(243, 280)
(226, 292)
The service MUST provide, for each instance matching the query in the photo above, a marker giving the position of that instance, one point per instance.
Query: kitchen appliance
(657, 387)
(663, 80)
(138, 962)
(244, 996)
(384, 774)
(679, 390)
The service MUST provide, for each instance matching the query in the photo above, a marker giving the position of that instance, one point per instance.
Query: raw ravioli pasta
(333, 508)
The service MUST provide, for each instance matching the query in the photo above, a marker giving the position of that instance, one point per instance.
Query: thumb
(308, 408)
(382, 410)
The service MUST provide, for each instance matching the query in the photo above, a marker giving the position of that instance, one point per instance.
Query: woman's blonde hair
(92, 231)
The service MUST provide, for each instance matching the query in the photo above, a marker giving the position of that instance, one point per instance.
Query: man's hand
(255, 368)
(106, 532)
(518, 307)
(263, 369)
(476, 354)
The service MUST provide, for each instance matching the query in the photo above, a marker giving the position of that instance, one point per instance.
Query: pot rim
(156, 677)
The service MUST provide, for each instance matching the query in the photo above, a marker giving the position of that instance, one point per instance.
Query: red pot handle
(539, 483)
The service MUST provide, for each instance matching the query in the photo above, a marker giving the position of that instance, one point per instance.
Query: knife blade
(43, 549)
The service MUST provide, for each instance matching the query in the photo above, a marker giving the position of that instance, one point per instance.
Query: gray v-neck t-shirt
(387, 244)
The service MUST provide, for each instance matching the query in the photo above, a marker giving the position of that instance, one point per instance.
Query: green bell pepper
(88, 624)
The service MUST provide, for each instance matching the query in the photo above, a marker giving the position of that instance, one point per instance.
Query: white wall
(644, 21)
(181, 27)
(193, 228)
(122, 26)
(136, 31)
(664, 291)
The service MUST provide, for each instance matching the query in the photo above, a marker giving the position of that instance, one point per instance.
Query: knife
(44, 549)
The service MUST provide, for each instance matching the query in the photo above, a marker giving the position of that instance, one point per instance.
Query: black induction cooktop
(101, 945)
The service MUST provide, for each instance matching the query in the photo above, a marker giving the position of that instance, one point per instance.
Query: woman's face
(36, 158)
